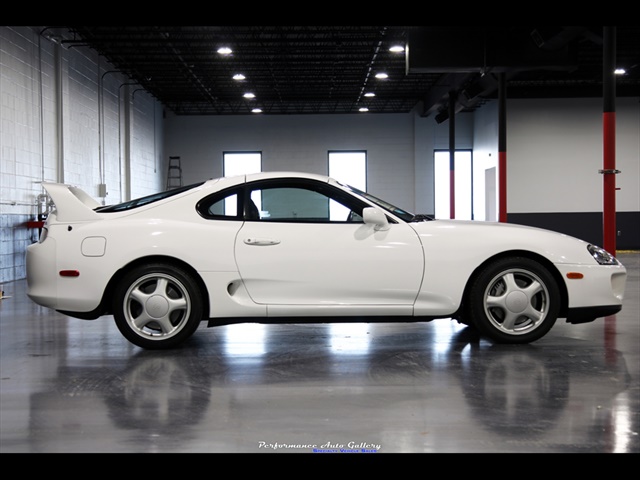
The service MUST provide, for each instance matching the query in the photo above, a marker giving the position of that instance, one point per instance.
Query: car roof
(286, 174)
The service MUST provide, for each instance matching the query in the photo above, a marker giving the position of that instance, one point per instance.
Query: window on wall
(463, 184)
(240, 163)
(349, 168)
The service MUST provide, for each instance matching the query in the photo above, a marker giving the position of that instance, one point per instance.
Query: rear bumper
(46, 287)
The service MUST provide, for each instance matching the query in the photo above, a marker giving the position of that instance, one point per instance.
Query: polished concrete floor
(69, 385)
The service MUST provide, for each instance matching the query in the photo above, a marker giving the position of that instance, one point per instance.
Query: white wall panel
(555, 149)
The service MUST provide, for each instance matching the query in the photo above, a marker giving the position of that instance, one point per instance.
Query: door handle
(261, 241)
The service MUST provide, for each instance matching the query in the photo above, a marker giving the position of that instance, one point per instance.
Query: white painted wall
(555, 149)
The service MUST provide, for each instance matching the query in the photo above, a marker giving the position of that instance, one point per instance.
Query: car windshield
(398, 212)
(138, 202)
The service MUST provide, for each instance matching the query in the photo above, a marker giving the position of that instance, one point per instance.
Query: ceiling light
(382, 75)
(256, 110)
(249, 95)
(396, 49)
(224, 51)
(363, 109)
(619, 71)
(239, 76)
(369, 94)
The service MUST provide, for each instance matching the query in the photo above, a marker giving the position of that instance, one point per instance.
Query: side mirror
(375, 217)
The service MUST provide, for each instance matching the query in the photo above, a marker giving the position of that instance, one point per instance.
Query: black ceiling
(328, 69)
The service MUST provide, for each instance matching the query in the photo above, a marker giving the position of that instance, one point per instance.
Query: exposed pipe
(103, 173)
(127, 193)
(41, 104)
(59, 112)
(452, 154)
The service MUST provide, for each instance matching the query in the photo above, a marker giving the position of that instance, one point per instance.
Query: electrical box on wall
(102, 190)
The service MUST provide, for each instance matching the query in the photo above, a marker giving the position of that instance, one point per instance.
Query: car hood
(474, 238)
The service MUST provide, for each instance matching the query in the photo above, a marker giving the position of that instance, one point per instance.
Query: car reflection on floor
(413, 388)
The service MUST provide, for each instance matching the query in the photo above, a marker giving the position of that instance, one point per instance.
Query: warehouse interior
(107, 108)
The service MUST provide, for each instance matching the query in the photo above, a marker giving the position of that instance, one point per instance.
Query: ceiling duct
(468, 58)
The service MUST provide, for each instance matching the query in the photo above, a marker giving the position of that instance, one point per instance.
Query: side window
(302, 205)
(227, 207)
(222, 206)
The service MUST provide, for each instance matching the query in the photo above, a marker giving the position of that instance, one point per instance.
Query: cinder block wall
(66, 116)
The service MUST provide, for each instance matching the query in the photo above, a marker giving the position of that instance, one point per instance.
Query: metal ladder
(174, 174)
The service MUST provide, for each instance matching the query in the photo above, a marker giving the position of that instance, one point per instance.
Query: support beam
(609, 140)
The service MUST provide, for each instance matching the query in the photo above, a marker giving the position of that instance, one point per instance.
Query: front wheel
(514, 300)
(157, 306)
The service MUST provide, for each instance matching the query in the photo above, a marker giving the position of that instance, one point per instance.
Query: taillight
(69, 273)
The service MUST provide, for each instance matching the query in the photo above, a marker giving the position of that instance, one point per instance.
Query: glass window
(221, 206)
(349, 168)
(139, 202)
(463, 185)
(301, 204)
(241, 163)
(227, 207)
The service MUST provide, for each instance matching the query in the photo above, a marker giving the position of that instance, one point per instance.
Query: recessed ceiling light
(256, 110)
(224, 51)
(396, 49)
(249, 95)
(239, 76)
(363, 109)
(369, 94)
(382, 75)
(619, 71)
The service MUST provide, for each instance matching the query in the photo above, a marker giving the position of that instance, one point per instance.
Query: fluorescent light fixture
(382, 75)
(225, 51)
(239, 76)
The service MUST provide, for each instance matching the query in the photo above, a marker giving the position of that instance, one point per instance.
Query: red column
(609, 141)
(502, 149)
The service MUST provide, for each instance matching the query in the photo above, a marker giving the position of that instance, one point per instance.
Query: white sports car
(291, 247)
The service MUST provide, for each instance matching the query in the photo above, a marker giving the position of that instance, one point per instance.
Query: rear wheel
(514, 300)
(157, 306)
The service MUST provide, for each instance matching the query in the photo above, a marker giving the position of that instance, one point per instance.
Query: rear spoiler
(72, 204)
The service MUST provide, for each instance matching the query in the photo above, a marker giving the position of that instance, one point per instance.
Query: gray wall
(67, 116)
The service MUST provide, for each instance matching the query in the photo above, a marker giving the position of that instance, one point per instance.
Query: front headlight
(602, 256)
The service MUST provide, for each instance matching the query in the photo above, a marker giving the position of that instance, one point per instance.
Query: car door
(306, 245)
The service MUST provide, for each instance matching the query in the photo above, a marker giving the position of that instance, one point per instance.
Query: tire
(157, 306)
(514, 300)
